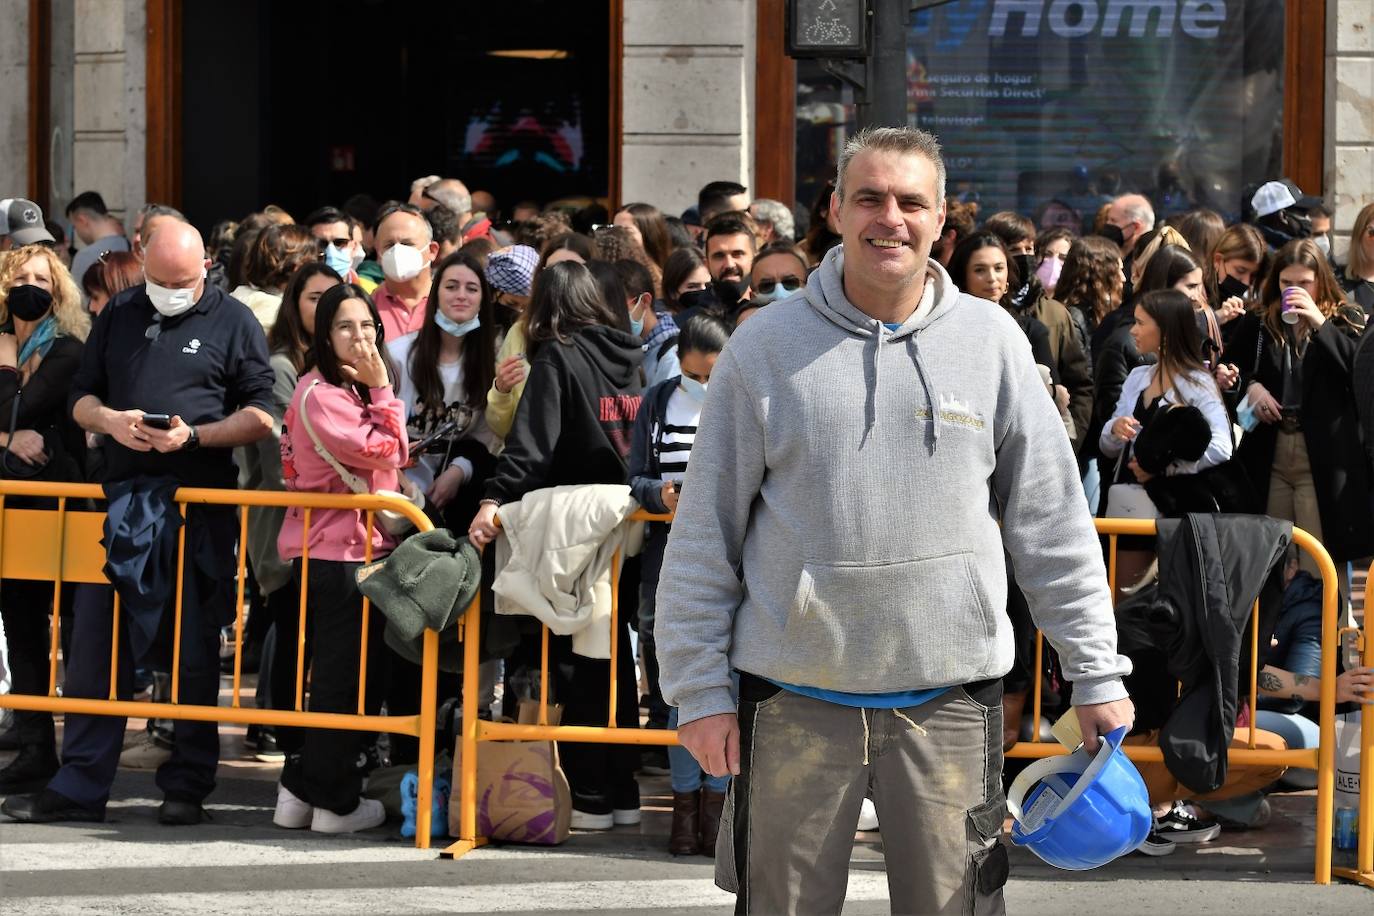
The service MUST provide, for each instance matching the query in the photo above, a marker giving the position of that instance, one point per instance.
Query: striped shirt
(673, 439)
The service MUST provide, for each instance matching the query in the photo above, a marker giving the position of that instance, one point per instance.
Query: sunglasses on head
(791, 283)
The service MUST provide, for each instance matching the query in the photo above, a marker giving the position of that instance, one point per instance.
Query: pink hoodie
(368, 439)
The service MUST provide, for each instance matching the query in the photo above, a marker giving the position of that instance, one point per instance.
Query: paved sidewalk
(239, 863)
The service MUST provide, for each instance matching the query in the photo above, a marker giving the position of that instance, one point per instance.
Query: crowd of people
(466, 356)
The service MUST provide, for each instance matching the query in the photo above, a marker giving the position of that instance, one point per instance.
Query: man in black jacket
(179, 347)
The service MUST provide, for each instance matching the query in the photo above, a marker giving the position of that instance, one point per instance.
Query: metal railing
(1363, 872)
(63, 546)
(1322, 758)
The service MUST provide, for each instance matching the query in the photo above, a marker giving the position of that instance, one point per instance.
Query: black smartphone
(157, 420)
(1233, 287)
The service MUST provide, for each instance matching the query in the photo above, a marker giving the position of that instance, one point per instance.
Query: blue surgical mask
(637, 324)
(694, 389)
(338, 261)
(457, 329)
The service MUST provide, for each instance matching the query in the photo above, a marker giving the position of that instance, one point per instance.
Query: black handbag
(13, 467)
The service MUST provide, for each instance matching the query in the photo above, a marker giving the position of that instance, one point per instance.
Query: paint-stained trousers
(935, 775)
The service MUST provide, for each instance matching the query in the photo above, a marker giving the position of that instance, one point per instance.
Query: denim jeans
(686, 774)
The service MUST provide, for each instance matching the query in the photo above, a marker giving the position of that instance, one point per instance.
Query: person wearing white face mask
(659, 451)
(190, 352)
(406, 247)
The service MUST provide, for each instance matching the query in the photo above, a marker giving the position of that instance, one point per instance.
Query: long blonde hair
(1357, 266)
(72, 319)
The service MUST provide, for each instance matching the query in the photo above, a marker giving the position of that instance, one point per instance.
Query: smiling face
(987, 274)
(460, 293)
(890, 216)
(730, 257)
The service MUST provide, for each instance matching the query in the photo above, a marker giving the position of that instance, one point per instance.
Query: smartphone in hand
(156, 421)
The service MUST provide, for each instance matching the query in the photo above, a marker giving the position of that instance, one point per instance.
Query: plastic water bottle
(1347, 827)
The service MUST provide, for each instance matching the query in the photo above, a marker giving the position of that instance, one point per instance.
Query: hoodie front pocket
(869, 627)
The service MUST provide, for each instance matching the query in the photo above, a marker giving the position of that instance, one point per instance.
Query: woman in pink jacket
(348, 404)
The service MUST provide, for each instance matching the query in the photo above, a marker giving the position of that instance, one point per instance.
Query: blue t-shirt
(900, 699)
(891, 326)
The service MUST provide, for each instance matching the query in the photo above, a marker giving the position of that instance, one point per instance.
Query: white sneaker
(626, 817)
(582, 820)
(868, 815)
(142, 751)
(368, 814)
(291, 813)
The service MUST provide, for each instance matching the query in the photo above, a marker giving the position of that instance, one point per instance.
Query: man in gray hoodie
(871, 450)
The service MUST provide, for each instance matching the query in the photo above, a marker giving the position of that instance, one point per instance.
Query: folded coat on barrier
(555, 557)
(1197, 616)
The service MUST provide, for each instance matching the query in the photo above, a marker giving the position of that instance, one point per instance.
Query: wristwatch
(192, 441)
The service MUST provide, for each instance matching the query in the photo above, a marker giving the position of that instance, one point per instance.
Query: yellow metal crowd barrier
(1322, 759)
(63, 546)
(1363, 872)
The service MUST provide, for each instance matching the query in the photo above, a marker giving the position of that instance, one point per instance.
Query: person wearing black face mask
(42, 329)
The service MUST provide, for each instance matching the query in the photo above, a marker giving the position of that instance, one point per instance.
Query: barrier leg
(468, 840)
(1326, 753)
(429, 684)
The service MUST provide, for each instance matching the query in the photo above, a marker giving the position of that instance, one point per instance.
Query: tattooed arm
(1354, 686)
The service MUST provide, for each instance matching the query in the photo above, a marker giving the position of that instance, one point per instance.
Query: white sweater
(1195, 390)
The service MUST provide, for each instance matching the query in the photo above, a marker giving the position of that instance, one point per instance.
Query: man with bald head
(174, 376)
(1133, 215)
(453, 194)
(407, 251)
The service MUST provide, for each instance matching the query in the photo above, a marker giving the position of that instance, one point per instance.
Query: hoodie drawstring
(929, 389)
(873, 392)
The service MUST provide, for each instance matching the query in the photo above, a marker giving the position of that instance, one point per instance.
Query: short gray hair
(452, 193)
(776, 214)
(1137, 209)
(904, 140)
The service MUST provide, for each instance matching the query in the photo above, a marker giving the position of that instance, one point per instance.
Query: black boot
(28, 772)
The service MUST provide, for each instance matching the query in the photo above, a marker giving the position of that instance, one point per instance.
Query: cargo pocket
(989, 864)
(727, 877)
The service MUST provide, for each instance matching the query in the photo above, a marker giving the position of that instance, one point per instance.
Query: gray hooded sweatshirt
(839, 523)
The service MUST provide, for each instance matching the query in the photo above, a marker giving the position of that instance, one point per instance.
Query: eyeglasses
(341, 244)
(791, 283)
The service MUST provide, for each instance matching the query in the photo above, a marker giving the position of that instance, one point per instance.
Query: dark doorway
(309, 102)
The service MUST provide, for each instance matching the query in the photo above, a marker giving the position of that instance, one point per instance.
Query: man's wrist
(192, 439)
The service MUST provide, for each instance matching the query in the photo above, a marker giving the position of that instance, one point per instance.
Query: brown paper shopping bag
(522, 792)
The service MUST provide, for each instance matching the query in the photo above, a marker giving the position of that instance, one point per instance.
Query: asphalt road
(241, 864)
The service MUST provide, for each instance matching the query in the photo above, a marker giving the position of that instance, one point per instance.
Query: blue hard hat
(1080, 811)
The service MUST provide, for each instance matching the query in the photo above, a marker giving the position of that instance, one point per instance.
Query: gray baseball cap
(22, 221)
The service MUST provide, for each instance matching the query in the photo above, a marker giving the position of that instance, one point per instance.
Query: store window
(1052, 107)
